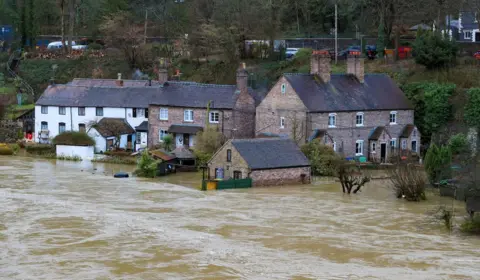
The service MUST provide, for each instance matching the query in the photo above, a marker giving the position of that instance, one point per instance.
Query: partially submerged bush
(147, 166)
(471, 226)
(202, 158)
(5, 150)
(40, 149)
(118, 153)
(73, 138)
(117, 160)
(323, 158)
(351, 176)
(437, 163)
(408, 181)
(71, 158)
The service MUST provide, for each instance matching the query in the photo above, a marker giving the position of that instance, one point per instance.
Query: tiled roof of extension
(345, 93)
(270, 153)
(104, 93)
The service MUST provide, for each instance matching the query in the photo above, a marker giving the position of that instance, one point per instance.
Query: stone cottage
(185, 108)
(268, 161)
(357, 114)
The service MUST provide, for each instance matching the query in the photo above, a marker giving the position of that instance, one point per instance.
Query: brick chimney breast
(242, 78)
(320, 65)
(356, 66)
(119, 81)
(162, 76)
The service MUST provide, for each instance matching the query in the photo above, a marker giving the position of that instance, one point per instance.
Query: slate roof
(376, 132)
(92, 93)
(345, 93)
(183, 153)
(109, 126)
(143, 127)
(270, 153)
(407, 130)
(184, 128)
(109, 83)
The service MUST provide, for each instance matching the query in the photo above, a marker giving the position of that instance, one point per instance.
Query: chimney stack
(320, 65)
(355, 66)
(119, 80)
(242, 78)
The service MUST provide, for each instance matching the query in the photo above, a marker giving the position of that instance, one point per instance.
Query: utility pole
(145, 27)
(336, 35)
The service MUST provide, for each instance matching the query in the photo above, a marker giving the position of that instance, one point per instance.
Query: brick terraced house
(357, 114)
(268, 161)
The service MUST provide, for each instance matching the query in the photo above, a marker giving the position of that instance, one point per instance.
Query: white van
(58, 45)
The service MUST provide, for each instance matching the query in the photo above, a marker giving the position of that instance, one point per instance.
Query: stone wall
(284, 176)
(9, 131)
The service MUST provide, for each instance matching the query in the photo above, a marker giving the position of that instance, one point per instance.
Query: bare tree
(351, 177)
(297, 128)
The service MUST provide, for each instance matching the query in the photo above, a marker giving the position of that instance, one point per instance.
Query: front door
(477, 36)
(383, 152)
(129, 142)
(186, 140)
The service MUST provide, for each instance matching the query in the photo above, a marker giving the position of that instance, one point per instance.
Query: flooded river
(65, 220)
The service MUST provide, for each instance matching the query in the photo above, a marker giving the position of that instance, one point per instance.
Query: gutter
(71, 119)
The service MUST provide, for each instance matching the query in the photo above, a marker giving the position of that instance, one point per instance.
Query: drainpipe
(223, 120)
(71, 119)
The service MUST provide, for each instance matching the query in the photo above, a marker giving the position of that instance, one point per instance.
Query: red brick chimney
(162, 76)
(242, 78)
(320, 65)
(119, 80)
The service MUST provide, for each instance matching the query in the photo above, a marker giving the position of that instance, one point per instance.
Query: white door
(179, 140)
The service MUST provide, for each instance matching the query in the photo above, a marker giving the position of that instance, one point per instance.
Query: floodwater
(65, 220)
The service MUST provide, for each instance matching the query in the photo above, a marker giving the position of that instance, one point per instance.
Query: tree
(408, 181)
(147, 166)
(351, 177)
(438, 163)
(168, 142)
(434, 51)
(207, 143)
(323, 159)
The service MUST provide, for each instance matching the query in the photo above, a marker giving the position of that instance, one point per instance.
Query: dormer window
(284, 89)
(359, 119)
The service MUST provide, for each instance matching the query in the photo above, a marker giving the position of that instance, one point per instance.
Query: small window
(163, 116)
(467, 34)
(359, 147)
(99, 111)
(374, 147)
(62, 110)
(284, 88)
(393, 117)
(44, 126)
(229, 155)
(359, 119)
(146, 113)
(61, 127)
(161, 134)
(188, 115)
(404, 144)
(282, 122)
(414, 146)
(134, 112)
(82, 127)
(393, 144)
(214, 117)
(44, 109)
(237, 175)
(332, 120)
(81, 111)
(138, 137)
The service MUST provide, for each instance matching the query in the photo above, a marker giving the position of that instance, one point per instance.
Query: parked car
(291, 52)
(371, 51)
(58, 45)
(344, 53)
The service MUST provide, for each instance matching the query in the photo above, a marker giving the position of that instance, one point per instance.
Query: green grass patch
(117, 160)
(73, 138)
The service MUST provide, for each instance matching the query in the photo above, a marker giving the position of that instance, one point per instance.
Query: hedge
(40, 149)
(73, 138)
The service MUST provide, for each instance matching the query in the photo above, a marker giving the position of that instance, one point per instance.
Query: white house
(73, 106)
(111, 132)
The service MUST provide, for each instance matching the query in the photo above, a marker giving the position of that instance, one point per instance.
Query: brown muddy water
(64, 220)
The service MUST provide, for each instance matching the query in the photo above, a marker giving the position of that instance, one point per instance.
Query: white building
(72, 107)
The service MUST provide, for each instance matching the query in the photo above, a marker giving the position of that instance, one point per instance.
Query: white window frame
(394, 113)
(97, 110)
(211, 117)
(416, 146)
(394, 141)
(163, 114)
(44, 110)
(404, 144)
(374, 147)
(81, 108)
(64, 127)
(62, 110)
(334, 115)
(188, 113)
(465, 34)
(44, 128)
(283, 89)
(282, 122)
(161, 134)
(138, 138)
(360, 143)
(363, 119)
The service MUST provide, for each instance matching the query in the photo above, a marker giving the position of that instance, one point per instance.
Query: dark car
(344, 53)
(477, 55)
(371, 51)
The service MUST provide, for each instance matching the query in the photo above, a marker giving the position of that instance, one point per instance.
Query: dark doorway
(383, 152)
(186, 140)
(477, 36)
(129, 142)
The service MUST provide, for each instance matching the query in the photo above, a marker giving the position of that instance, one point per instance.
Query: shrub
(117, 160)
(323, 158)
(167, 142)
(471, 226)
(437, 163)
(351, 176)
(95, 46)
(458, 143)
(6, 150)
(72, 158)
(73, 138)
(15, 148)
(118, 153)
(202, 158)
(39, 149)
(209, 140)
(408, 182)
(433, 50)
(147, 166)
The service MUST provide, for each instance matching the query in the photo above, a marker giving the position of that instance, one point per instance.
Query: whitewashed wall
(85, 152)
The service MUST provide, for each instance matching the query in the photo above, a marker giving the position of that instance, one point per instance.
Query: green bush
(434, 51)
(118, 153)
(15, 148)
(147, 166)
(408, 181)
(95, 46)
(437, 163)
(71, 158)
(458, 143)
(202, 158)
(73, 138)
(40, 149)
(471, 226)
(6, 151)
(472, 108)
(117, 160)
(323, 158)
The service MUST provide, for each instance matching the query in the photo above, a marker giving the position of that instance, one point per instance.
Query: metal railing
(23, 84)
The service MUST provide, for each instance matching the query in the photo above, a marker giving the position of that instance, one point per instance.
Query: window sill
(332, 126)
(282, 127)
(359, 125)
(187, 121)
(163, 120)
(359, 154)
(214, 122)
(393, 123)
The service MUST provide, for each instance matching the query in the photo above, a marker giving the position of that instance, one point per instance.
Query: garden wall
(9, 131)
(85, 152)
